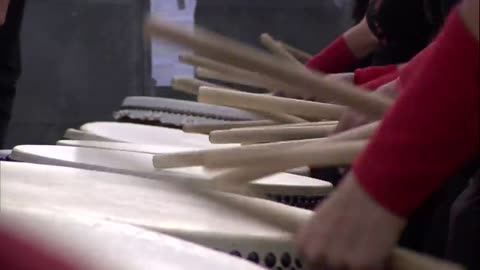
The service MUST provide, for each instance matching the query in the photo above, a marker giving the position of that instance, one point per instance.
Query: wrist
(353, 189)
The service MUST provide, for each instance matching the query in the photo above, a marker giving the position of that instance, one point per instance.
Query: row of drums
(98, 191)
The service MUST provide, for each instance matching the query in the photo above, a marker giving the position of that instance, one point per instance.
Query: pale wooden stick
(277, 49)
(226, 50)
(280, 117)
(403, 259)
(242, 76)
(200, 61)
(238, 155)
(210, 69)
(333, 154)
(207, 128)
(275, 116)
(307, 124)
(245, 158)
(225, 77)
(189, 85)
(299, 54)
(198, 157)
(307, 109)
(272, 134)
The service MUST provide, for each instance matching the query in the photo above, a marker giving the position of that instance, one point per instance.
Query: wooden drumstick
(308, 82)
(200, 61)
(210, 69)
(332, 154)
(280, 117)
(189, 85)
(198, 157)
(307, 109)
(277, 49)
(271, 134)
(299, 54)
(225, 77)
(238, 155)
(220, 71)
(207, 128)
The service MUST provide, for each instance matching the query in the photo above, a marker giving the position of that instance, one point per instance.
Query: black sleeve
(400, 24)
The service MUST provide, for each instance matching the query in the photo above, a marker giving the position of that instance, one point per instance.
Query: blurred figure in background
(10, 64)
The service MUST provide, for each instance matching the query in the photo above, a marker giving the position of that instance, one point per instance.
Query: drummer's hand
(351, 119)
(349, 231)
(3, 10)
(349, 77)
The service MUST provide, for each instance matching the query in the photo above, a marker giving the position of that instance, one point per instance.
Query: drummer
(11, 15)
(431, 131)
(391, 33)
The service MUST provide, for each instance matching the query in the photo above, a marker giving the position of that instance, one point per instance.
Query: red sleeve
(364, 75)
(376, 83)
(335, 58)
(433, 127)
(16, 253)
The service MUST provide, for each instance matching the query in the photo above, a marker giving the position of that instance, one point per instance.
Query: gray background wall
(81, 58)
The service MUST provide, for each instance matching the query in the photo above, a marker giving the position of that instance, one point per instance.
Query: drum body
(176, 113)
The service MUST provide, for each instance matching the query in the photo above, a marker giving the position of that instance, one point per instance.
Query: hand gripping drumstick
(306, 109)
(225, 50)
(270, 134)
(238, 155)
(290, 219)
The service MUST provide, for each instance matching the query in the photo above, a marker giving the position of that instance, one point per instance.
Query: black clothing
(10, 66)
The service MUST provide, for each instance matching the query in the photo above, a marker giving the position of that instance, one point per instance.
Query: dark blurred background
(81, 58)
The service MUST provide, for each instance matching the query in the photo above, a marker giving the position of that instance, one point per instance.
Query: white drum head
(145, 134)
(130, 147)
(75, 134)
(140, 164)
